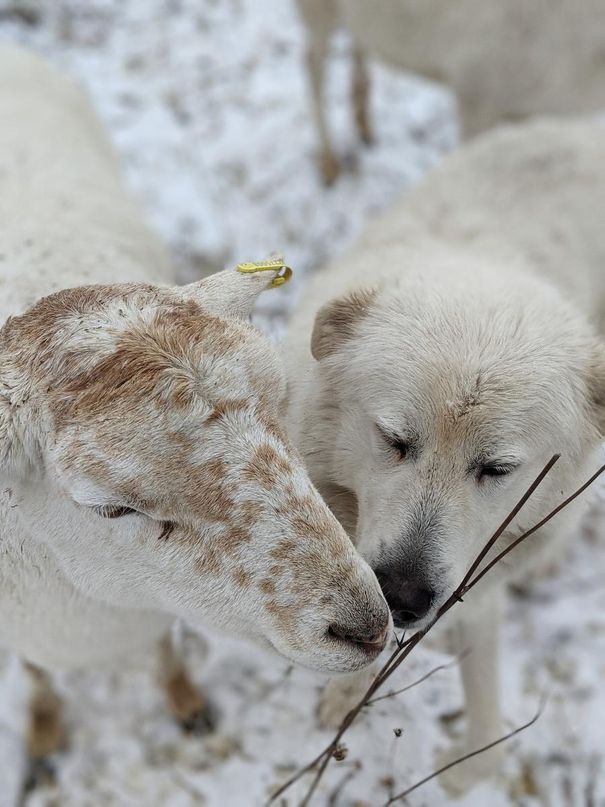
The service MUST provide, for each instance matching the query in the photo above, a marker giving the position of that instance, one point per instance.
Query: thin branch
(404, 649)
(329, 750)
(528, 493)
(385, 670)
(320, 772)
(537, 526)
(397, 657)
(420, 680)
(470, 755)
(298, 775)
(334, 796)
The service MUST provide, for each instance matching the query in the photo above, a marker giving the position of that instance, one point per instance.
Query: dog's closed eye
(399, 444)
(493, 470)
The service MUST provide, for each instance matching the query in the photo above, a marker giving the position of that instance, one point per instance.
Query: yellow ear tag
(272, 265)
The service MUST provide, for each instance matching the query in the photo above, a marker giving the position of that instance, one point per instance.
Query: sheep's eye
(494, 470)
(168, 528)
(117, 511)
(396, 443)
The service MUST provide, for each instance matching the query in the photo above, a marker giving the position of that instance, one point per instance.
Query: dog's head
(445, 401)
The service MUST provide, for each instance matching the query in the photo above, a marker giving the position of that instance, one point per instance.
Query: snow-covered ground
(206, 102)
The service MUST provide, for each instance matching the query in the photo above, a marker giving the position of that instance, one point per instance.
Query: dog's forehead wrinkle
(475, 406)
(453, 328)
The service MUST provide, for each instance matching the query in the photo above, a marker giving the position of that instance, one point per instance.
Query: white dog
(503, 60)
(436, 367)
(145, 473)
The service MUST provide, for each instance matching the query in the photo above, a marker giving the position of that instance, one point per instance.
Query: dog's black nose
(409, 602)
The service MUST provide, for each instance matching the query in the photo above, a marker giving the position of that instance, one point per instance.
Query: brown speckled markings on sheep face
(267, 467)
(154, 406)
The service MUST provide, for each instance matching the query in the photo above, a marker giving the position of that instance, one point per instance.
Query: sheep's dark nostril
(371, 642)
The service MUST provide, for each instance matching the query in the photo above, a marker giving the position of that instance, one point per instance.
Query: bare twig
(336, 793)
(540, 524)
(422, 679)
(470, 755)
(404, 648)
(528, 493)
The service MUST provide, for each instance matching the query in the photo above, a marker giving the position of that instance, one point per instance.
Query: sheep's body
(145, 474)
(46, 620)
(503, 60)
(66, 221)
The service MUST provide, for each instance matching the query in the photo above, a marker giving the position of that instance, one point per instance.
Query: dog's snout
(409, 601)
(412, 603)
(371, 642)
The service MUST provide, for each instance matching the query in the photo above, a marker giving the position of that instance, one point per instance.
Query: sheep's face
(140, 433)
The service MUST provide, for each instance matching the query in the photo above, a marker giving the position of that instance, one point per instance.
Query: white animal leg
(479, 640)
(45, 732)
(360, 92)
(341, 694)
(316, 61)
(185, 702)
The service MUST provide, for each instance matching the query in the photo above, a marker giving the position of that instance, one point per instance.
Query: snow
(206, 103)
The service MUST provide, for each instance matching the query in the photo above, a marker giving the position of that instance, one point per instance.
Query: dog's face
(444, 409)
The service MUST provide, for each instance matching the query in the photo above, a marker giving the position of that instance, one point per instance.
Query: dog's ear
(335, 323)
(596, 385)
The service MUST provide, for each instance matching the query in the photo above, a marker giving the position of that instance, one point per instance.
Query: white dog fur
(503, 60)
(145, 474)
(458, 339)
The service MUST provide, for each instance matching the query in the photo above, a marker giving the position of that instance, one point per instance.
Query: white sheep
(145, 474)
(504, 60)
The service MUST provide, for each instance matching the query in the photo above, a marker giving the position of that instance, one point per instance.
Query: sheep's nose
(370, 642)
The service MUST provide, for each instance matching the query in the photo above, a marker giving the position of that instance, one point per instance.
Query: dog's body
(454, 350)
(504, 61)
(145, 474)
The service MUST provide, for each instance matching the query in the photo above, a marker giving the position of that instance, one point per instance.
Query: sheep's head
(140, 436)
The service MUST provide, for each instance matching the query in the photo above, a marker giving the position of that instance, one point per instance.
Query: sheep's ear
(336, 322)
(596, 385)
(232, 293)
